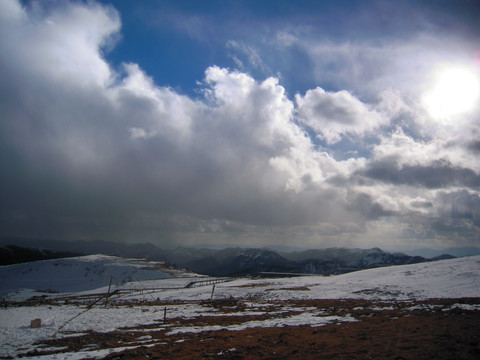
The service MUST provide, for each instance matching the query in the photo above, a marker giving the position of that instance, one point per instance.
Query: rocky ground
(429, 329)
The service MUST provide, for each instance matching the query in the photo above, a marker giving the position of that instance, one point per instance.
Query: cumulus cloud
(336, 114)
(116, 149)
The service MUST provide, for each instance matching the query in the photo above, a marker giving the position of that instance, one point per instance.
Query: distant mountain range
(241, 261)
(225, 262)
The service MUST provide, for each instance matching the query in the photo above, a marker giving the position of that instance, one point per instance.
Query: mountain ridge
(237, 261)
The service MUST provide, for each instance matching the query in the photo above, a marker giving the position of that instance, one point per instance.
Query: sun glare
(455, 91)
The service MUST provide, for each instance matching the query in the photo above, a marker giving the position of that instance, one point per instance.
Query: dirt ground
(434, 329)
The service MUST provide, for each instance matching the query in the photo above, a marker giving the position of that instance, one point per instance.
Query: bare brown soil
(431, 330)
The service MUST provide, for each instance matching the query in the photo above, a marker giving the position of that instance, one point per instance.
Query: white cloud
(285, 39)
(336, 114)
(11, 9)
(405, 150)
(67, 43)
(152, 110)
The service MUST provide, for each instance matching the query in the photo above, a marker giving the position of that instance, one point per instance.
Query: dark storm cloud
(474, 146)
(368, 207)
(422, 204)
(461, 205)
(454, 221)
(439, 174)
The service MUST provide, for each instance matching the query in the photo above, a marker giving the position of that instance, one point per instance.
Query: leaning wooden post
(108, 292)
(213, 289)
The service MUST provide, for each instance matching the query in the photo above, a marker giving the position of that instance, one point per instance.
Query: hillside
(81, 273)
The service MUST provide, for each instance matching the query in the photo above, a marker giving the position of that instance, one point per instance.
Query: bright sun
(455, 91)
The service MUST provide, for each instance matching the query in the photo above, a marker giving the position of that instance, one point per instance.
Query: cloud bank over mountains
(92, 150)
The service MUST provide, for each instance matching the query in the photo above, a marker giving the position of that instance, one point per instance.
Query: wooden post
(213, 289)
(108, 293)
(165, 315)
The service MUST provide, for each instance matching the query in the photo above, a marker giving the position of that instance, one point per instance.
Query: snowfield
(143, 304)
(440, 279)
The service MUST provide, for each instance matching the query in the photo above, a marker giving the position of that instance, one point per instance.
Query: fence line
(149, 290)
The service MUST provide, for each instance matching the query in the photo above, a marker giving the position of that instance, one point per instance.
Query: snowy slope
(439, 279)
(79, 273)
(451, 278)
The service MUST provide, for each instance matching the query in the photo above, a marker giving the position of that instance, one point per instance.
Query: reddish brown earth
(442, 332)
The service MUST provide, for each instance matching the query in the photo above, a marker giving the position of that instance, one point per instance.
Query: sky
(304, 124)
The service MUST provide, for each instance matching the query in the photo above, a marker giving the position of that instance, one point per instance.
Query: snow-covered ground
(442, 279)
